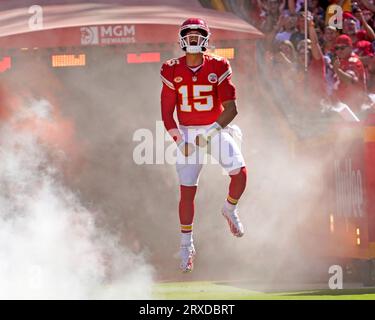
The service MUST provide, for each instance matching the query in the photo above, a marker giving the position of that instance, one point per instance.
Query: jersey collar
(201, 66)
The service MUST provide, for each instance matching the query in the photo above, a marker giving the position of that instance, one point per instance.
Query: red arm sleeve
(226, 89)
(168, 101)
(168, 104)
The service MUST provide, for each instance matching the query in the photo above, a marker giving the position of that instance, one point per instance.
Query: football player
(199, 86)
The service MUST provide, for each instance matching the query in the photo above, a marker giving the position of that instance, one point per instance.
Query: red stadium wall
(369, 158)
(343, 224)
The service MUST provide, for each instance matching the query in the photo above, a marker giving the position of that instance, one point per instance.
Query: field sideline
(205, 290)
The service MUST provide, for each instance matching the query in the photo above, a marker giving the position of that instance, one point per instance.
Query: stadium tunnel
(98, 64)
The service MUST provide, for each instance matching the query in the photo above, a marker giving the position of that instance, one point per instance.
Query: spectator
(281, 62)
(349, 25)
(351, 29)
(351, 78)
(365, 53)
(285, 28)
(320, 34)
(296, 5)
(284, 66)
(313, 80)
(370, 74)
(299, 34)
(366, 28)
(272, 12)
(255, 12)
(317, 11)
(331, 78)
(368, 5)
(329, 37)
(369, 17)
(337, 66)
(288, 50)
(364, 50)
(361, 35)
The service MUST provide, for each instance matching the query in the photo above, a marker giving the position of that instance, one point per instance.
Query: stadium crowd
(334, 67)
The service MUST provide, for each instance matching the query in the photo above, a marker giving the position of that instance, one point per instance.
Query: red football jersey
(352, 94)
(198, 95)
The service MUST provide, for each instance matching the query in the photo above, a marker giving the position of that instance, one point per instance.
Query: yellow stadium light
(357, 231)
(227, 53)
(68, 60)
(331, 223)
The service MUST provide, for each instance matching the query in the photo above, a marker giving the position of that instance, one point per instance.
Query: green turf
(214, 291)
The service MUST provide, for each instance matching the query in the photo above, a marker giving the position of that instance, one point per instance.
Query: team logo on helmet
(178, 79)
(212, 77)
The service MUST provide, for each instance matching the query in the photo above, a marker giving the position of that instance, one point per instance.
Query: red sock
(186, 207)
(237, 186)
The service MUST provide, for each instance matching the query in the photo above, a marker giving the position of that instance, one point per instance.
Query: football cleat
(234, 222)
(187, 254)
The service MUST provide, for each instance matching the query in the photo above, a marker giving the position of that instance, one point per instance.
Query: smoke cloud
(50, 244)
(103, 228)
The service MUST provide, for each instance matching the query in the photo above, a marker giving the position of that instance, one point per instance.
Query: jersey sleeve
(166, 75)
(355, 68)
(225, 88)
(168, 104)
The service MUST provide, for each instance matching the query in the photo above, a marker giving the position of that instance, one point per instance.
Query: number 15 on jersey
(202, 100)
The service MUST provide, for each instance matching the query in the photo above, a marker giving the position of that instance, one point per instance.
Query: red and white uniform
(352, 94)
(197, 94)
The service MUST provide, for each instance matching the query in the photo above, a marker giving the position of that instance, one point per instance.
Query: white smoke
(50, 247)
